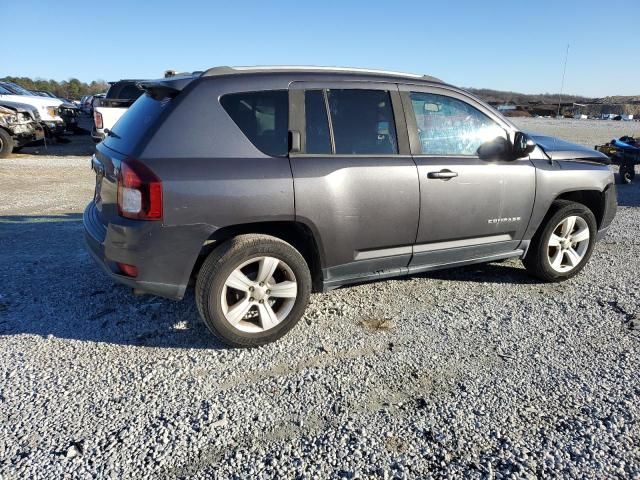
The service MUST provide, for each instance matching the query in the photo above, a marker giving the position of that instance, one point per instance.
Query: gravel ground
(478, 372)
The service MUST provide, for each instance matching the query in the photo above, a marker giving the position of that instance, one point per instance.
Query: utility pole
(564, 71)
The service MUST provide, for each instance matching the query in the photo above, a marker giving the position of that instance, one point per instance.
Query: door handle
(442, 174)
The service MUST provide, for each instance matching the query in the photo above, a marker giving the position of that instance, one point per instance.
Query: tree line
(72, 88)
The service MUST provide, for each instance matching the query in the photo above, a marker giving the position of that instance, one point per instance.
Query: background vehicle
(624, 152)
(266, 183)
(109, 109)
(47, 107)
(18, 127)
(68, 110)
(86, 104)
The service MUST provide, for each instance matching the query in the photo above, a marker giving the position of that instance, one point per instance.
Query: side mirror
(497, 149)
(523, 145)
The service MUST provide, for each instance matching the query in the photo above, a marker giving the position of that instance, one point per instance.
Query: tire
(542, 257)
(6, 143)
(217, 296)
(627, 173)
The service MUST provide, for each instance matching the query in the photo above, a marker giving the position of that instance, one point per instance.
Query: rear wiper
(111, 133)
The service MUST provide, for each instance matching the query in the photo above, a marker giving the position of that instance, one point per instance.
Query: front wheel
(252, 290)
(6, 143)
(564, 243)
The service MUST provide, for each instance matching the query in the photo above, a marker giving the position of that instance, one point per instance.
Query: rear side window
(316, 123)
(448, 126)
(362, 122)
(263, 117)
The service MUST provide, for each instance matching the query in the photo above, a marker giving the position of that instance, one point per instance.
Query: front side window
(362, 122)
(448, 126)
(263, 117)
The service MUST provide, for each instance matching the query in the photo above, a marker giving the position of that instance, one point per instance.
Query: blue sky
(506, 45)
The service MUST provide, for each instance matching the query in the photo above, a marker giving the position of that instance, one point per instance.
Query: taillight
(97, 118)
(128, 270)
(139, 192)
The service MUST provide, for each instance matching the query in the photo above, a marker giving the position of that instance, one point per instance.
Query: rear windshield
(136, 121)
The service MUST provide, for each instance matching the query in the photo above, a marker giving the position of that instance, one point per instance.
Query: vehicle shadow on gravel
(496, 272)
(51, 287)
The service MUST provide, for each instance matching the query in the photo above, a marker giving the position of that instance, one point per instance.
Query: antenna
(564, 71)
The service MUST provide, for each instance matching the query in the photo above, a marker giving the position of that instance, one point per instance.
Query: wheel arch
(297, 234)
(594, 200)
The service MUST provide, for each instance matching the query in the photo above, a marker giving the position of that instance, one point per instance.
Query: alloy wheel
(259, 294)
(568, 244)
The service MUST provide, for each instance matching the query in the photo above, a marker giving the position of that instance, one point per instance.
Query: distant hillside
(546, 103)
(489, 95)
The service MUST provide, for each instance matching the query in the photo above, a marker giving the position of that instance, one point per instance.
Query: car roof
(297, 69)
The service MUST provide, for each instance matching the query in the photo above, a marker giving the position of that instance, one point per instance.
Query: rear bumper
(164, 256)
(97, 135)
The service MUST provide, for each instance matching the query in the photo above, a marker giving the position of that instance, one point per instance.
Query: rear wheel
(252, 290)
(563, 245)
(6, 143)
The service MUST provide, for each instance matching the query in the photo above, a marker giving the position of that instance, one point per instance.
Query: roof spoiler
(165, 87)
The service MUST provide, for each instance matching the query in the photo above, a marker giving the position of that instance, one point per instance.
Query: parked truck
(108, 110)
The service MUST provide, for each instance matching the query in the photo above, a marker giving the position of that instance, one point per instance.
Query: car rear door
(356, 185)
(470, 208)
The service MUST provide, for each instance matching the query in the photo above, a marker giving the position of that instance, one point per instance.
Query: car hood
(18, 107)
(6, 111)
(557, 149)
(35, 101)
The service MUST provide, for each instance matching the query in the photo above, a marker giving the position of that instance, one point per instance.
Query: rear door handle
(442, 174)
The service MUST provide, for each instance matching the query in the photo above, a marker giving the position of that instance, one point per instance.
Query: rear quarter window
(263, 117)
(139, 119)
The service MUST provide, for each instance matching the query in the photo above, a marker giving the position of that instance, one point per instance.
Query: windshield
(4, 91)
(20, 90)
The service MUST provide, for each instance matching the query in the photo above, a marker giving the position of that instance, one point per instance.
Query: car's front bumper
(28, 133)
(610, 207)
(53, 128)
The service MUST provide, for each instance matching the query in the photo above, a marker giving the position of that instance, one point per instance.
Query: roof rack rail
(226, 70)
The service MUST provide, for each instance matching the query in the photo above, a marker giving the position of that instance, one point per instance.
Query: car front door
(470, 208)
(356, 184)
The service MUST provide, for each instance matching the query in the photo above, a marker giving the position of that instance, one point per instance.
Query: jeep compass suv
(263, 184)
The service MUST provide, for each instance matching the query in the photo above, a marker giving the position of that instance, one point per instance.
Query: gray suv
(260, 185)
